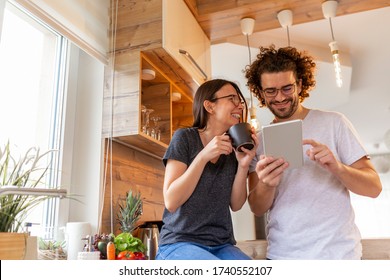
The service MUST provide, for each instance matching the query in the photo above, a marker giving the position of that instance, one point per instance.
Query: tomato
(126, 255)
(139, 256)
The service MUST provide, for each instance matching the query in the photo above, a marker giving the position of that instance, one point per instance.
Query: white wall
(244, 224)
(2, 5)
(364, 50)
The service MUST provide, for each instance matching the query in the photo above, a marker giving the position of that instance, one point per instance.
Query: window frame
(50, 208)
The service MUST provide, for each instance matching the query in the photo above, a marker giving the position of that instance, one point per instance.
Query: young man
(308, 209)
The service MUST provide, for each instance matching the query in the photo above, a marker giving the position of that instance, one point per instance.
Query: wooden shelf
(155, 94)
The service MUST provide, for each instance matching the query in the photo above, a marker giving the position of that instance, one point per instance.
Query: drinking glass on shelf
(145, 119)
(156, 132)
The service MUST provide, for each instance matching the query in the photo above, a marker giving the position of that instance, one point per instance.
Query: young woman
(205, 178)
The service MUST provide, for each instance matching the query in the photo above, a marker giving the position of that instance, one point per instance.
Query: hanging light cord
(288, 36)
(249, 49)
(250, 60)
(331, 28)
(108, 160)
(112, 112)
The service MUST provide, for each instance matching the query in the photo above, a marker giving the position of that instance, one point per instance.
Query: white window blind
(84, 22)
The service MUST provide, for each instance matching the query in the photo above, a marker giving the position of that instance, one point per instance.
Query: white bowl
(176, 96)
(148, 74)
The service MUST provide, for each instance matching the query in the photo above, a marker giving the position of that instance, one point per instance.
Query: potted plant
(51, 250)
(21, 179)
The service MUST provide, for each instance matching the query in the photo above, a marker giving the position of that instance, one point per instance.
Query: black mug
(241, 135)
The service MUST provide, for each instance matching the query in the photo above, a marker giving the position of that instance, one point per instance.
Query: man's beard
(288, 111)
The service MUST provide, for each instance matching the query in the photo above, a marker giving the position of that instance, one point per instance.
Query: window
(32, 71)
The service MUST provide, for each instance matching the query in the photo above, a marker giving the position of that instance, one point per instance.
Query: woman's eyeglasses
(235, 99)
(286, 90)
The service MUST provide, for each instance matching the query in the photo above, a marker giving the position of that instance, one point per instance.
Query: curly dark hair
(271, 60)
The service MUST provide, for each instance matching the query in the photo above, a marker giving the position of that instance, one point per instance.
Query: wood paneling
(136, 171)
(376, 249)
(220, 19)
(121, 104)
(373, 249)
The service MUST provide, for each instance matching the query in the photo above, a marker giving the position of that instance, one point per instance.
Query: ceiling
(363, 37)
(220, 19)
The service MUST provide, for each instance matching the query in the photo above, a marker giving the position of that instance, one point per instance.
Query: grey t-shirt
(312, 216)
(205, 217)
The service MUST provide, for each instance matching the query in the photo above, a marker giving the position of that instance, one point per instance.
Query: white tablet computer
(284, 140)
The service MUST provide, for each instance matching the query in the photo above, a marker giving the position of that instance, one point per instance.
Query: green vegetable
(127, 242)
(100, 242)
(102, 246)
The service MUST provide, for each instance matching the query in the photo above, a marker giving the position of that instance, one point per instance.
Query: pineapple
(130, 212)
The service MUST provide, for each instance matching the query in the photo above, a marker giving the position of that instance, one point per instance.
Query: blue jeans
(193, 251)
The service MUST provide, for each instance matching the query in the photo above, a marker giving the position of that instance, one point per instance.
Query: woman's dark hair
(207, 92)
(271, 60)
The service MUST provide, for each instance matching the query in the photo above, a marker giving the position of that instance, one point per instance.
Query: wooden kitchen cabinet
(155, 97)
(176, 43)
(157, 94)
(150, 34)
(185, 41)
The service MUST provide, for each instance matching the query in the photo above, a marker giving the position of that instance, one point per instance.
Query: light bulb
(337, 69)
(254, 122)
(336, 62)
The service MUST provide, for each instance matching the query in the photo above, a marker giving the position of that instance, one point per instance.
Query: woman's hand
(245, 157)
(219, 145)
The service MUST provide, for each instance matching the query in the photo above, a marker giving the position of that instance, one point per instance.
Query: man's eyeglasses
(235, 99)
(286, 90)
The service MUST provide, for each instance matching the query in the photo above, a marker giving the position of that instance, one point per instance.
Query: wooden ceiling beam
(220, 19)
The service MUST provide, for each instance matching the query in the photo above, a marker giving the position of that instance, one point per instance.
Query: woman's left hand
(245, 157)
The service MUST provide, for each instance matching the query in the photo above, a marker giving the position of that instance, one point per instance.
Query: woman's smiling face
(227, 105)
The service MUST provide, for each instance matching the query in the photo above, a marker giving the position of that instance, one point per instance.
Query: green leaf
(126, 241)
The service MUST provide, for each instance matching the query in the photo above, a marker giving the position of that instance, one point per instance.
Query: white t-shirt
(312, 216)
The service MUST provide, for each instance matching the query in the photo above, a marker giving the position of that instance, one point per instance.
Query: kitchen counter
(373, 249)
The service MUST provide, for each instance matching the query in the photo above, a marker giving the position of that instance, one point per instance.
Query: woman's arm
(180, 181)
(239, 190)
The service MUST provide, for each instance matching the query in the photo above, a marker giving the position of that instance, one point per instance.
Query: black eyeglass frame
(233, 97)
(276, 90)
